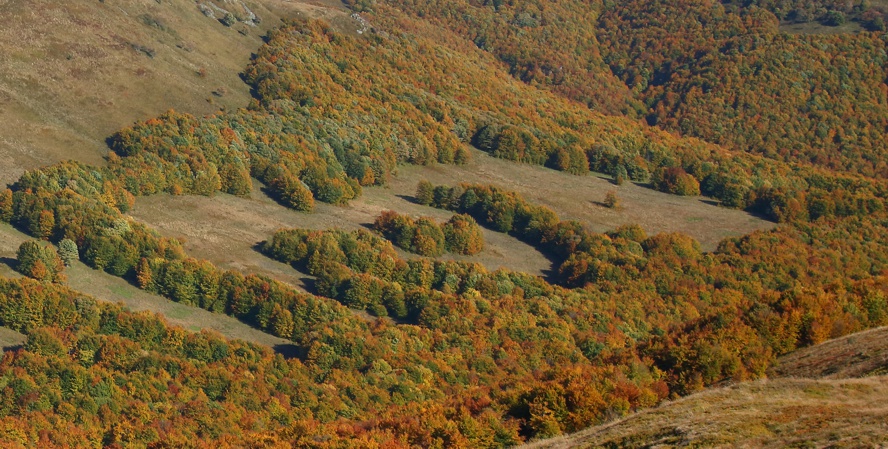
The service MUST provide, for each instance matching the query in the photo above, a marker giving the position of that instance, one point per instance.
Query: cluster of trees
(363, 271)
(460, 234)
(499, 358)
(828, 12)
(815, 99)
(324, 143)
(40, 262)
(618, 344)
(719, 71)
(699, 318)
(582, 256)
(486, 359)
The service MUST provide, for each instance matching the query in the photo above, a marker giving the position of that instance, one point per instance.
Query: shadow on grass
(410, 199)
(10, 262)
(289, 351)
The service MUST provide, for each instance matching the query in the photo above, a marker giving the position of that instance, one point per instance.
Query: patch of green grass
(177, 312)
(123, 291)
(817, 391)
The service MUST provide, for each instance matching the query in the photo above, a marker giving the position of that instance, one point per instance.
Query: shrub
(611, 201)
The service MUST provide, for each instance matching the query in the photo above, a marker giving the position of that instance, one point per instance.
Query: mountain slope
(767, 413)
(72, 73)
(828, 395)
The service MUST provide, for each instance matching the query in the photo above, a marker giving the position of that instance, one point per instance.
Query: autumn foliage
(420, 352)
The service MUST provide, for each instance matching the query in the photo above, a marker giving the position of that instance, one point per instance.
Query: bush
(611, 201)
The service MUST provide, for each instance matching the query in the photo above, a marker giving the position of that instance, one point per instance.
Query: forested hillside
(416, 350)
(720, 72)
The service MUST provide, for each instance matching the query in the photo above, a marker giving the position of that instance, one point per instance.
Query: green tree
(425, 192)
(6, 205)
(40, 262)
(68, 251)
(611, 201)
(463, 235)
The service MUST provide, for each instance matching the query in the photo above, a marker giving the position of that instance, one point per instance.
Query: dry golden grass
(580, 197)
(833, 406)
(11, 339)
(768, 413)
(817, 28)
(856, 355)
(225, 229)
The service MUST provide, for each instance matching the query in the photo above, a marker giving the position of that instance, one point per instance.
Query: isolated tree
(68, 251)
(620, 174)
(611, 201)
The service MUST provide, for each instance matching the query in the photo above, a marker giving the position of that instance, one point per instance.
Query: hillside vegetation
(72, 73)
(767, 413)
(390, 349)
(827, 394)
(721, 72)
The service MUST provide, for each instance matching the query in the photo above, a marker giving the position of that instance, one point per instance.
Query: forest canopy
(417, 351)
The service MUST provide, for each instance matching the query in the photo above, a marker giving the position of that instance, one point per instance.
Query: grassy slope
(106, 287)
(856, 355)
(224, 229)
(766, 413)
(236, 225)
(818, 396)
(70, 75)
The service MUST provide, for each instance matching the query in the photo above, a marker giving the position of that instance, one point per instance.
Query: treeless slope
(74, 72)
(225, 229)
(833, 407)
(766, 413)
(580, 197)
(856, 355)
(10, 339)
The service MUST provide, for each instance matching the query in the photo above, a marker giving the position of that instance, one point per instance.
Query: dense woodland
(427, 353)
(720, 72)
